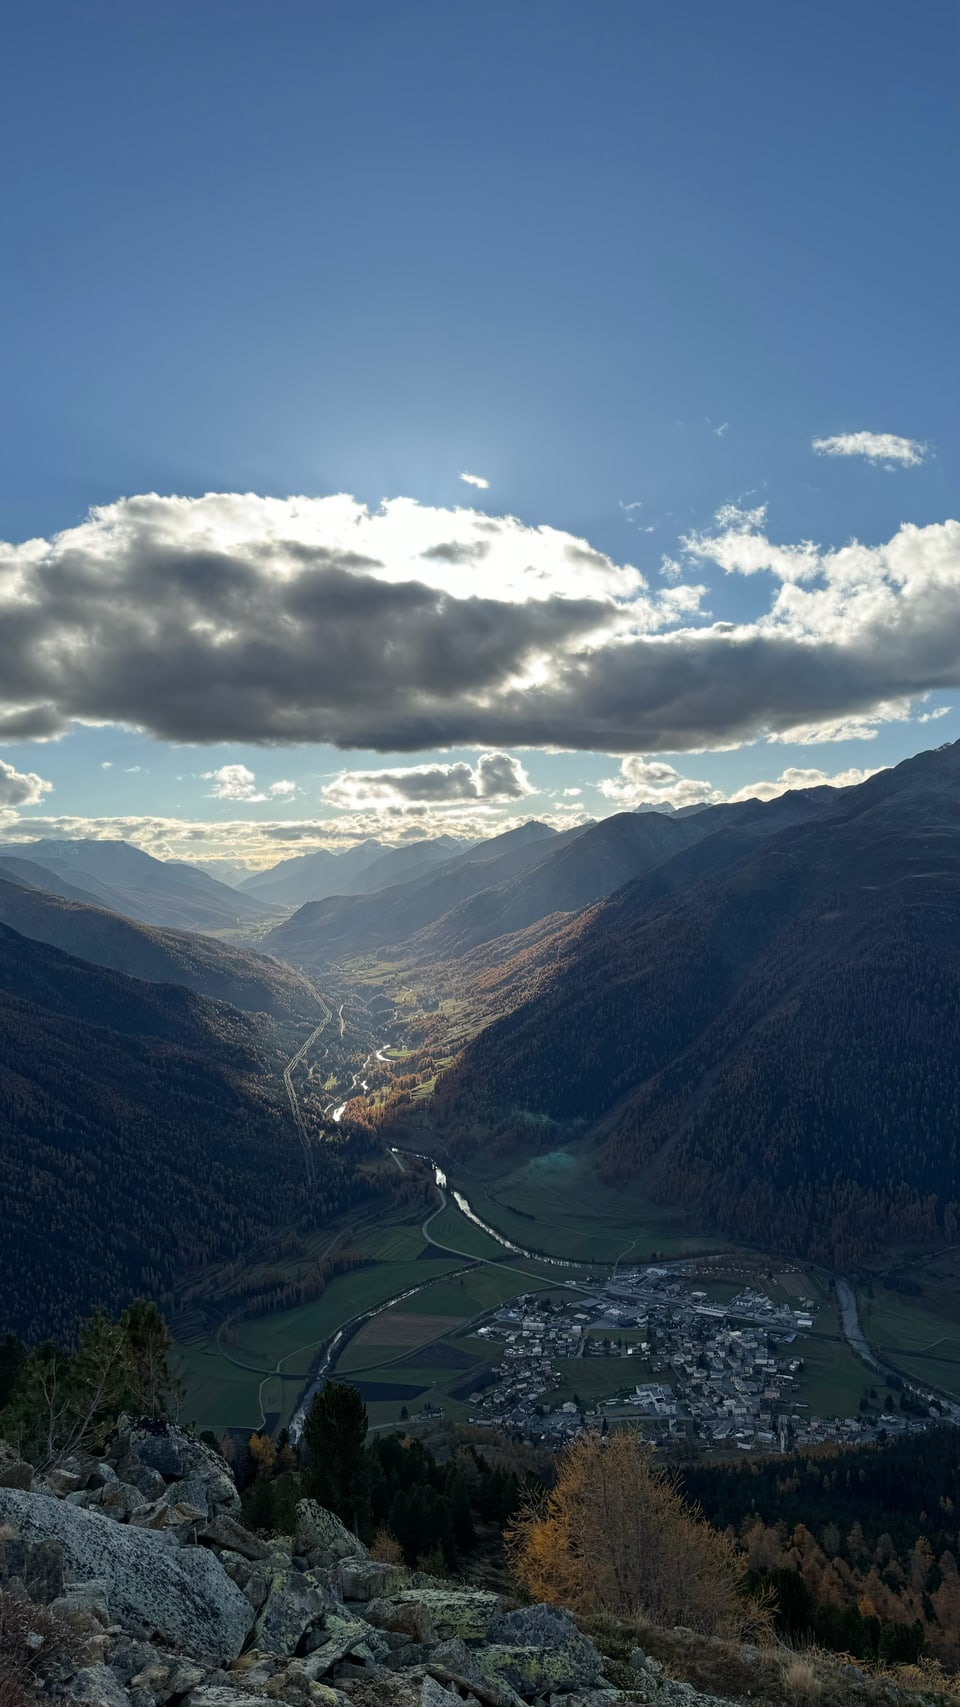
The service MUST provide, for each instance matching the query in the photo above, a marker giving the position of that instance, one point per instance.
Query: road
(288, 1072)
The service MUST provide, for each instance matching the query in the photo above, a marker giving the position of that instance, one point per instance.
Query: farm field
(555, 1203)
(223, 1381)
(453, 1228)
(920, 1335)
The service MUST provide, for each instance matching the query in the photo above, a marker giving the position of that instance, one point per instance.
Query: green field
(450, 1227)
(223, 1381)
(921, 1335)
(555, 1203)
(833, 1380)
(220, 1395)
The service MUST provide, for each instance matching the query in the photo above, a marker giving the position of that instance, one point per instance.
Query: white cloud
(21, 788)
(236, 618)
(652, 782)
(723, 428)
(572, 792)
(236, 782)
(495, 776)
(475, 480)
(932, 716)
(259, 843)
(795, 777)
(845, 728)
(646, 782)
(887, 448)
(106, 764)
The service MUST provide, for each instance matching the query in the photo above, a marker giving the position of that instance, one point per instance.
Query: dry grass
(34, 1643)
(767, 1676)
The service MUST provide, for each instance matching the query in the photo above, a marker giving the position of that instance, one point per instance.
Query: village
(675, 1364)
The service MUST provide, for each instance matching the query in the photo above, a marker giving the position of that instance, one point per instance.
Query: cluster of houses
(727, 1374)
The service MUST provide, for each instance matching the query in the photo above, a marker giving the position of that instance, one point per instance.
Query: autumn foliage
(615, 1536)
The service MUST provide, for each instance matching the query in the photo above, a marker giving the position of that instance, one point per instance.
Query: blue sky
(599, 254)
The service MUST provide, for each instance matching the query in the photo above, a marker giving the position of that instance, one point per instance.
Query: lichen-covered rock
(370, 1579)
(96, 1686)
(410, 1619)
(221, 1695)
(225, 1532)
(539, 1651)
(469, 1613)
(177, 1456)
(14, 1471)
(321, 1538)
(296, 1603)
(433, 1694)
(181, 1593)
(89, 1598)
(340, 1637)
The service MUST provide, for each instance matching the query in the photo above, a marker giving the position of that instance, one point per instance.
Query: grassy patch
(555, 1203)
(833, 1380)
(920, 1335)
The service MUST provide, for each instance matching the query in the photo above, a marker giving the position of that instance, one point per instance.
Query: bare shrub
(385, 1548)
(33, 1640)
(801, 1680)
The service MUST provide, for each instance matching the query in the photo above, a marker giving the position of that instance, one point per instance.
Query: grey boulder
(321, 1538)
(152, 1585)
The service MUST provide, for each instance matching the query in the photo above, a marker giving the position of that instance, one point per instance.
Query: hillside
(144, 1132)
(308, 877)
(596, 861)
(342, 926)
(768, 1031)
(155, 891)
(254, 983)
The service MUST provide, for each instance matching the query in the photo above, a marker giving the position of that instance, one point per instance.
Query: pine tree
(334, 1442)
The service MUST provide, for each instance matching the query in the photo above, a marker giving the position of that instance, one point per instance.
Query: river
(850, 1318)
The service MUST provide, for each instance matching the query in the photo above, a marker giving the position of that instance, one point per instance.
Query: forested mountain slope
(255, 983)
(774, 1040)
(599, 860)
(144, 1131)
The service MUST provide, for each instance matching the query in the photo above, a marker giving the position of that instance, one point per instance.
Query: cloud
(932, 716)
(20, 788)
(649, 782)
(496, 776)
(475, 480)
(236, 782)
(887, 448)
(237, 618)
(724, 427)
(261, 843)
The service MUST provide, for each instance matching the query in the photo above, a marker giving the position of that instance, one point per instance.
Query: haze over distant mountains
(158, 892)
(255, 983)
(367, 866)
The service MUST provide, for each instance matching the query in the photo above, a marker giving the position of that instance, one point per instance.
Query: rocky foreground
(146, 1589)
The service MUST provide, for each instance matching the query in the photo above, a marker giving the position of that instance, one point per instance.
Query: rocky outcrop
(181, 1593)
(142, 1555)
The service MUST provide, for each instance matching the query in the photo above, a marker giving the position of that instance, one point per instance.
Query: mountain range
(255, 983)
(367, 866)
(158, 892)
(764, 1025)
